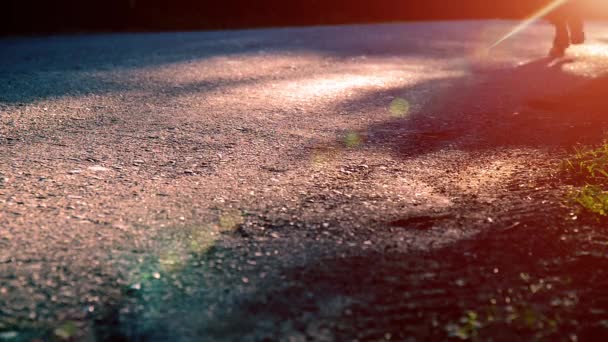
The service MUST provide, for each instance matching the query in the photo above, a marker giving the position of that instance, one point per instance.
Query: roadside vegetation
(587, 169)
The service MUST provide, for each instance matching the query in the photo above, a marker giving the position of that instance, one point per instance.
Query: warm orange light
(530, 20)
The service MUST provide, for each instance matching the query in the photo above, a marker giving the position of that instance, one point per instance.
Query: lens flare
(323, 155)
(530, 20)
(399, 107)
(352, 140)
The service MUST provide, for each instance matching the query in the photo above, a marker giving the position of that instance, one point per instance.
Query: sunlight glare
(530, 20)
(590, 60)
(334, 85)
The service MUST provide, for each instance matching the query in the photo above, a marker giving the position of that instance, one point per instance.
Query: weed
(66, 331)
(588, 168)
(478, 327)
(468, 328)
(588, 165)
(352, 140)
(593, 198)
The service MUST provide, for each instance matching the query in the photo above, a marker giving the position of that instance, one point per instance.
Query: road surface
(378, 182)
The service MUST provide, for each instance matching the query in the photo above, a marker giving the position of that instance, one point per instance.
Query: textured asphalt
(329, 183)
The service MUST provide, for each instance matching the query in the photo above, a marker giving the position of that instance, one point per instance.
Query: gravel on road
(374, 182)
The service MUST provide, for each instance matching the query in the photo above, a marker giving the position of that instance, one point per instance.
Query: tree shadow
(533, 279)
(493, 108)
(534, 276)
(35, 69)
(501, 276)
(531, 276)
(534, 105)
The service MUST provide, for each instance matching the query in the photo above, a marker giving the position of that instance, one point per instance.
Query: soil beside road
(332, 183)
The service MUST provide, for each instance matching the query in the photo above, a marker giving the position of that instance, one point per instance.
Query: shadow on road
(530, 281)
(536, 105)
(530, 276)
(36, 69)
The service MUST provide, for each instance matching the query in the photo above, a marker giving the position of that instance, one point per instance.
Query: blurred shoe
(577, 37)
(562, 37)
(557, 51)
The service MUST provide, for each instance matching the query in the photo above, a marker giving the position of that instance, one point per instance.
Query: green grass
(589, 165)
(486, 323)
(588, 169)
(593, 199)
(467, 329)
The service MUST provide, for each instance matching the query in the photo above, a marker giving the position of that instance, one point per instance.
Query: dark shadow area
(536, 105)
(34, 69)
(61, 84)
(530, 277)
(23, 17)
(533, 281)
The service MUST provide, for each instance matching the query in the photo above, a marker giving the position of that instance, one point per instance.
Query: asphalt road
(381, 182)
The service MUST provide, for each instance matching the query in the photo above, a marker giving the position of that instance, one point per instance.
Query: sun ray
(530, 20)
